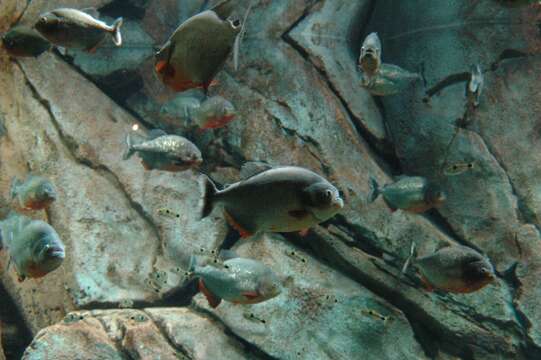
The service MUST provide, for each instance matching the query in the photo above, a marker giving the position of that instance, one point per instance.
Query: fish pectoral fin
(235, 225)
(250, 295)
(298, 214)
(212, 299)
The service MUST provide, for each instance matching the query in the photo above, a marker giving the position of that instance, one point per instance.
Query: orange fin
(160, 66)
(235, 225)
(250, 295)
(428, 287)
(213, 300)
(304, 232)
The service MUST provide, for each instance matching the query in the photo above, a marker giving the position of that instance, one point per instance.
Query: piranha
(236, 280)
(475, 86)
(164, 152)
(379, 78)
(78, 29)
(214, 113)
(456, 269)
(410, 193)
(35, 193)
(22, 41)
(198, 49)
(34, 247)
(281, 199)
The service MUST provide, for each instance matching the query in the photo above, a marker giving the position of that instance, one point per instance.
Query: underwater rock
(167, 333)
(320, 314)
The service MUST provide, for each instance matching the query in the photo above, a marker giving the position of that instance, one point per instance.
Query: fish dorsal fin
(228, 255)
(155, 133)
(253, 168)
(223, 9)
(92, 12)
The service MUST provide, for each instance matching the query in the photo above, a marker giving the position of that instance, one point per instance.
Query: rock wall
(301, 103)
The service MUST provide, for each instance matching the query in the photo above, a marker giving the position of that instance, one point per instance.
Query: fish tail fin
(408, 261)
(117, 36)
(129, 148)
(209, 192)
(13, 188)
(374, 190)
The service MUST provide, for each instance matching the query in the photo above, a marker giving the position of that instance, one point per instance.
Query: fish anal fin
(235, 225)
(304, 232)
(250, 295)
(160, 66)
(426, 285)
(213, 300)
(298, 214)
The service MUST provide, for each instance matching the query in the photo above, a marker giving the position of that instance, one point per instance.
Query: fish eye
(236, 23)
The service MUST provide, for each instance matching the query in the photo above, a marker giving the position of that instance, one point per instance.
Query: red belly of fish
(37, 205)
(218, 122)
(35, 272)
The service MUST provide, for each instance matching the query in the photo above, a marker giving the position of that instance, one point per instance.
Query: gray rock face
(300, 102)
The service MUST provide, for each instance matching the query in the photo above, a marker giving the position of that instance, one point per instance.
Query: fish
(34, 246)
(236, 280)
(22, 41)
(475, 85)
(409, 193)
(370, 57)
(34, 193)
(214, 113)
(458, 168)
(381, 79)
(159, 151)
(198, 49)
(77, 29)
(455, 269)
(274, 199)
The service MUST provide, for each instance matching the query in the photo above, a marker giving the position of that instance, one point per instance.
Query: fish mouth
(56, 252)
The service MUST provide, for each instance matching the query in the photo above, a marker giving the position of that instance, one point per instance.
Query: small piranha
(381, 79)
(22, 41)
(78, 29)
(475, 86)
(458, 168)
(370, 58)
(33, 246)
(214, 113)
(35, 193)
(456, 269)
(237, 280)
(198, 49)
(409, 193)
(281, 199)
(164, 152)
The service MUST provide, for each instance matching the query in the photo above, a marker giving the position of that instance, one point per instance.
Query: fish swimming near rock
(214, 113)
(78, 29)
(34, 193)
(22, 41)
(198, 49)
(34, 247)
(370, 58)
(236, 280)
(381, 79)
(409, 193)
(456, 269)
(281, 199)
(159, 151)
